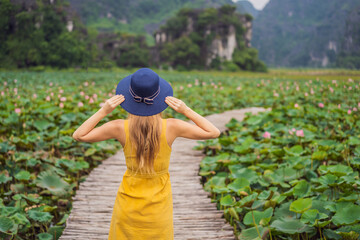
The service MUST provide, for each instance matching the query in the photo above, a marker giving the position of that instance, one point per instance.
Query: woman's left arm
(87, 133)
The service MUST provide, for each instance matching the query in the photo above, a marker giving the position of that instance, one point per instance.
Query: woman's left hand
(111, 103)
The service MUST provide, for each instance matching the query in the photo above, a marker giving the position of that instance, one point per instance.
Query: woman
(143, 206)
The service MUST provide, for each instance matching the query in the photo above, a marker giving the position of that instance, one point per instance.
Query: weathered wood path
(195, 217)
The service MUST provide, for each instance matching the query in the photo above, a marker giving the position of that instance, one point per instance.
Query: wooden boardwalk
(195, 217)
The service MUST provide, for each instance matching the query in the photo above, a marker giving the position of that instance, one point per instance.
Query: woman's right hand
(176, 104)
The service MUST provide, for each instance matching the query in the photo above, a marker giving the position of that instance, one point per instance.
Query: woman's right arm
(203, 129)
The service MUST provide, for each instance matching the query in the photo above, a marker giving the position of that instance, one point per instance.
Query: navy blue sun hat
(145, 92)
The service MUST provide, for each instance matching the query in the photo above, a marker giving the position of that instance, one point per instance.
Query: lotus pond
(291, 168)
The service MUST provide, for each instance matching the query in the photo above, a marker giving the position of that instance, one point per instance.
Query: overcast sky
(258, 4)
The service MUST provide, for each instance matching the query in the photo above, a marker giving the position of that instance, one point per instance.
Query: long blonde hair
(145, 137)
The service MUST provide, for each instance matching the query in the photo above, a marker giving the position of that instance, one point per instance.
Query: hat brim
(141, 108)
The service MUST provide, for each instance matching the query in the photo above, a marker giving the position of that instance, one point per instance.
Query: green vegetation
(292, 172)
(42, 166)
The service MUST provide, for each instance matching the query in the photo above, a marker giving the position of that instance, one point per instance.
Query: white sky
(258, 4)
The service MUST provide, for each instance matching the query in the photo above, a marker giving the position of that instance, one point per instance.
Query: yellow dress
(143, 206)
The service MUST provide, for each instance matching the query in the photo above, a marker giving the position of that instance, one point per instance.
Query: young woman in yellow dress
(143, 207)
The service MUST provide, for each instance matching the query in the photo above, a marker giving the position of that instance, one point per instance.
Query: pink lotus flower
(291, 132)
(61, 105)
(113, 90)
(312, 91)
(50, 84)
(110, 95)
(350, 88)
(359, 104)
(258, 85)
(331, 89)
(5, 83)
(334, 81)
(48, 98)
(300, 133)
(181, 88)
(306, 94)
(354, 109)
(94, 95)
(91, 100)
(52, 94)
(238, 88)
(61, 91)
(203, 83)
(34, 95)
(267, 135)
(2, 93)
(101, 104)
(276, 94)
(86, 84)
(59, 95)
(349, 111)
(82, 93)
(221, 88)
(321, 105)
(15, 80)
(296, 105)
(189, 85)
(80, 104)
(93, 83)
(15, 90)
(63, 99)
(87, 97)
(17, 110)
(339, 106)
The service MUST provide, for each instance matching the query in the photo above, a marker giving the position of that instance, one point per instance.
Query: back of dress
(143, 206)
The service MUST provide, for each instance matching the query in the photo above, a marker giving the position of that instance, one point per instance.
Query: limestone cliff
(218, 33)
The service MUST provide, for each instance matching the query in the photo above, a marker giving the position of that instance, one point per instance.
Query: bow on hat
(147, 100)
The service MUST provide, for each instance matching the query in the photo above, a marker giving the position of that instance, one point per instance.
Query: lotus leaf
(347, 215)
(4, 178)
(330, 234)
(45, 236)
(42, 125)
(353, 141)
(227, 200)
(319, 155)
(290, 226)
(258, 216)
(6, 224)
(40, 216)
(247, 173)
(252, 233)
(20, 219)
(22, 175)
(296, 150)
(238, 184)
(52, 182)
(302, 189)
(301, 205)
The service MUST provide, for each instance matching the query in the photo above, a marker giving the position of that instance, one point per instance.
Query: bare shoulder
(174, 123)
(117, 125)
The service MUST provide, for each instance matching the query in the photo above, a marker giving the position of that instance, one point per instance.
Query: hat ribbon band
(147, 100)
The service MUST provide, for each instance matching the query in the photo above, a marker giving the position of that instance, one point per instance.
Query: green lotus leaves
(319, 155)
(23, 175)
(238, 184)
(52, 182)
(42, 124)
(296, 150)
(301, 205)
(227, 200)
(4, 178)
(347, 215)
(6, 224)
(253, 233)
(353, 141)
(257, 216)
(40, 216)
(247, 173)
(44, 236)
(20, 219)
(302, 189)
(290, 226)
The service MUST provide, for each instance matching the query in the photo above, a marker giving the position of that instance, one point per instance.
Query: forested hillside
(310, 33)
